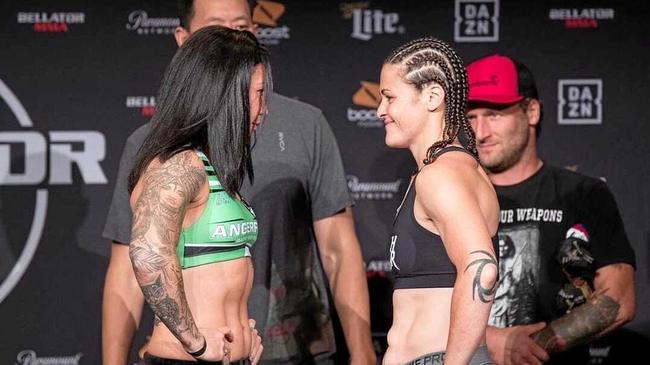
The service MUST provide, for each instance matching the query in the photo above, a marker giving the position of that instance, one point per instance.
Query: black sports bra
(418, 257)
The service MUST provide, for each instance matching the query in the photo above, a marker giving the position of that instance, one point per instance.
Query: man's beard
(508, 159)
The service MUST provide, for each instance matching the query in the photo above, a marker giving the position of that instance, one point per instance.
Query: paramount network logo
(367, 96)
(476, 21)
(373, 190)
(266, 14)
(141, 23)
(28, 357)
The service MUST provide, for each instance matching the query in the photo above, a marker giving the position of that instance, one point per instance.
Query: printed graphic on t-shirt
(531, 215)
(519, 263)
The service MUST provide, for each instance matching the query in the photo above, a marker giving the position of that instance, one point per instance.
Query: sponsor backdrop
(77, 77)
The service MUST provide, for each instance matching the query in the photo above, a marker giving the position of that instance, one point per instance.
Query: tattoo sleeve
(579, 326)
(485, 295)
(157, 220)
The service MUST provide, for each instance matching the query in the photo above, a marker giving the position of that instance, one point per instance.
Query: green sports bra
(226, 229)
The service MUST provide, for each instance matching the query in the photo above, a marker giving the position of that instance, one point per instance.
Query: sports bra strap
(213, 181)
(454, 148)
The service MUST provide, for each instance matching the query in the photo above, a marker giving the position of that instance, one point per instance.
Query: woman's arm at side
(159, 202)
(447, 192)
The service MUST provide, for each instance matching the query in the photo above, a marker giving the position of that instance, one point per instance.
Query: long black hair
(203, 102)
(430, 60)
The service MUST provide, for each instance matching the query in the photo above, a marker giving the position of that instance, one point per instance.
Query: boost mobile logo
(580, 101)
(267, 13)
(476, 21)
(367, 96)
(36, 150)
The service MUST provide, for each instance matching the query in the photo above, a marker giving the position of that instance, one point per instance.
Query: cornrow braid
(429, 60)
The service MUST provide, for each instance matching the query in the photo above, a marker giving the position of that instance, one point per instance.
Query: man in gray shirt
(300, 196)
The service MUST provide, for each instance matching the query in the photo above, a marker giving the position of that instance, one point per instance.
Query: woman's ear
(434, 96)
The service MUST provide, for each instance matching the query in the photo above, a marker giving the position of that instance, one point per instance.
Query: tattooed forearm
(580, 326)
(484, 294)
(157, 219)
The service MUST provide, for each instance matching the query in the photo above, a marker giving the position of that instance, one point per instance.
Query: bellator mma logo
(580, 101)
(37, 147)
(55, 22)
(145, 104)
(476, 21)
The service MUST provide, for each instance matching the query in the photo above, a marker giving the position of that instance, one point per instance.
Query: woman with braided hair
(441, 250)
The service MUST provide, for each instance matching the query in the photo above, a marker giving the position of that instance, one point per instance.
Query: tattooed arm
(159, 201)
(448, 194)
(611, 306)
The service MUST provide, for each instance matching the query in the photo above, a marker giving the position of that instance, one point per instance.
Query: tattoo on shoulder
(484, 258)
(166, 188)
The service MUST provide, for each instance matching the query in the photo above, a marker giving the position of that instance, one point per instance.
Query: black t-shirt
(535, 217)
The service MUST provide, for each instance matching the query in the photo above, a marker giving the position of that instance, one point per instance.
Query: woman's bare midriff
(217, 295)
(420, 324)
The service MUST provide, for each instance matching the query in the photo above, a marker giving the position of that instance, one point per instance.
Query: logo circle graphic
(40, 209)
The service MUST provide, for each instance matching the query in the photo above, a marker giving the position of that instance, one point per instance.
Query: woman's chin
(393, 142)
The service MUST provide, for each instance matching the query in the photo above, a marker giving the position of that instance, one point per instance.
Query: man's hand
(256, 344)
(513, 345)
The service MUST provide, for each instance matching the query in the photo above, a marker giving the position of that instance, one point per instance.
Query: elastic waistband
(480, 357)
(154, 360)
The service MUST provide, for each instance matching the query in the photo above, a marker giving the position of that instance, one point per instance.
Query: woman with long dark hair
(192, 231)
(441, 250)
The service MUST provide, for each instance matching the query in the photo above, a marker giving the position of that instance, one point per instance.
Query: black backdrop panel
(77, 77)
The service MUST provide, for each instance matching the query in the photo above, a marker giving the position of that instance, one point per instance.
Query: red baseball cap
(499, 80)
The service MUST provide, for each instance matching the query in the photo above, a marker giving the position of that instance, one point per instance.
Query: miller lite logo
(580, 101)
(369, 22)
(476, 21)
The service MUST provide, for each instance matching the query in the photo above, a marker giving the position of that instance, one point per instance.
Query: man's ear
(434, 96)
(533, 112)
(181, 34)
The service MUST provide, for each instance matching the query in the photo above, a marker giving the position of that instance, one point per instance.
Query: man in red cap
(566, 267)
